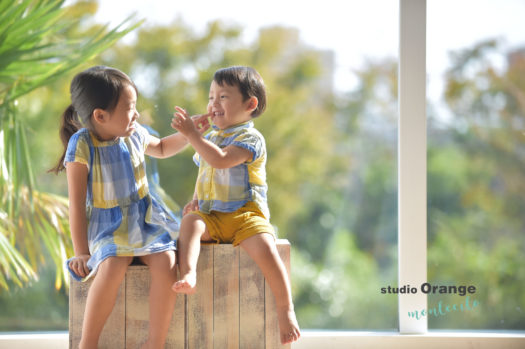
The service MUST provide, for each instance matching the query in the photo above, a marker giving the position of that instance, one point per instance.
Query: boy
(229, 204)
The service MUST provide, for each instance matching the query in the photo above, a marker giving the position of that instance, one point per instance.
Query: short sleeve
(143, 136)
(78, 149)
(197, 159)
(196, 156)
(252, 141)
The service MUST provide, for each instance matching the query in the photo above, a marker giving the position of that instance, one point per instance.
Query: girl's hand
(201, 122)
(79, 265)
(193, 205)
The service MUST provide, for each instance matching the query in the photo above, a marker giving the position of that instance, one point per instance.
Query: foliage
(36, 48)
(477, 188)
(332, 167)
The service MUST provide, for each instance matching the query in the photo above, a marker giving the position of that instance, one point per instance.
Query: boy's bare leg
(101, 298)
(192, 231)
(262, 249)
(163, 271)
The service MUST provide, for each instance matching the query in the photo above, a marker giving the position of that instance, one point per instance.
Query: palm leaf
(35, 50)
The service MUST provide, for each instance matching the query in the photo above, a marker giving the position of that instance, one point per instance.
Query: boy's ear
(253, 103)
(100, 116)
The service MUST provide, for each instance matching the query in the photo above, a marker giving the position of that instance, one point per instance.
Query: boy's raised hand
(188, 125)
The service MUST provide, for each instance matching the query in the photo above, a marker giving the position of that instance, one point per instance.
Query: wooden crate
(232, 308)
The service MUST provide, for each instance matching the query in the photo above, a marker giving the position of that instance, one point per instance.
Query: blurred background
(331, 134)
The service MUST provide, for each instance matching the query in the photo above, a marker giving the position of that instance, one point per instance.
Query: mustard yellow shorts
(234, 227)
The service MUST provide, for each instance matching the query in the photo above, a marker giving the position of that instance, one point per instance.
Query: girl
(112, 215)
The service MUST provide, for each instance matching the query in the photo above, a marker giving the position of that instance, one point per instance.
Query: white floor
(323, 339)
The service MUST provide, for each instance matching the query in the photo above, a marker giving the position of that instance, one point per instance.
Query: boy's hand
(193, 205)
(79, 265)
(189, 125)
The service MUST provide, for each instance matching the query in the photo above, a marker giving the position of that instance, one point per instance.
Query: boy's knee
(190, 218)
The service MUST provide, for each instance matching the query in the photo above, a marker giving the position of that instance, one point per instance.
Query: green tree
(477, 187)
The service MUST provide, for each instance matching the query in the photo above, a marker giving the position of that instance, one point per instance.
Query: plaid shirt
(123, 218)
(227, 190)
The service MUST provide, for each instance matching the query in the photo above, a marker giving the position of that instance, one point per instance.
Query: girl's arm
(173, 144)
(217, 157)
(77, 175)
(167, 146)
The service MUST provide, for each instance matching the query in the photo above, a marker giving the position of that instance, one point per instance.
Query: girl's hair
(248, 80)
(98, 87)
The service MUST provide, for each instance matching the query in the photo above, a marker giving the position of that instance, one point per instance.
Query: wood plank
(137, 305)
(251, 303)
(226, 297)
(200, 305)
(272, 324)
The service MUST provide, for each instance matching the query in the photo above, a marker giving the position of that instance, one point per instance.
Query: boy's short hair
(248, 80)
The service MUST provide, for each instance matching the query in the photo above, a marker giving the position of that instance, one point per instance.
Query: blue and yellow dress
(124, 219)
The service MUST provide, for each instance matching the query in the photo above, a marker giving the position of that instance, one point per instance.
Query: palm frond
(35, 49)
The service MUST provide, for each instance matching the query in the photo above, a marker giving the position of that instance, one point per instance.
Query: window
(476, 145)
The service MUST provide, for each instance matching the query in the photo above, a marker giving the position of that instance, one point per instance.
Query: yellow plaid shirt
(227, 190)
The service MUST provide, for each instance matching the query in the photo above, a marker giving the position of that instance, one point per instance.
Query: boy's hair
(248, 80)
(98, 87)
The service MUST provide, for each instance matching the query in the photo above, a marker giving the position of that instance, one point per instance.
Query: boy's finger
(181, 110)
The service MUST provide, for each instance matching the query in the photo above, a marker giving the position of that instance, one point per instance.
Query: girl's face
(121, 122)
(227, 107)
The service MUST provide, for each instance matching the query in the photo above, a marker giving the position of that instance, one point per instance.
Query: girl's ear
(100, 116)
(253, 102)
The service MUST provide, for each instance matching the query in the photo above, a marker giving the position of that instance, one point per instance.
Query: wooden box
(232, 308)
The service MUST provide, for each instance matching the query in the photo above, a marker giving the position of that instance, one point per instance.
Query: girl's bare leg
(262, 249)
(163, 272)
(101, 299)
(192, 231)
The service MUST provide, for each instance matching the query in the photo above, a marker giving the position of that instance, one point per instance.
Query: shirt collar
(247, 124)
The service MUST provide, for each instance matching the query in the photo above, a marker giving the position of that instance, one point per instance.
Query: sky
(356, 30)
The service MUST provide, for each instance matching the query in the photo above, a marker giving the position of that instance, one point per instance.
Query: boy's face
(227, 107)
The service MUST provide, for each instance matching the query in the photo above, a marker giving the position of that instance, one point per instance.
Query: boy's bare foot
(288, 326)
(186, 285)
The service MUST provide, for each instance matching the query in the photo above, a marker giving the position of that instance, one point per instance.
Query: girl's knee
(160, 261)
(114, 264)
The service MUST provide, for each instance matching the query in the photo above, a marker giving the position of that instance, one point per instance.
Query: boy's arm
(77, 175)
(215, 156)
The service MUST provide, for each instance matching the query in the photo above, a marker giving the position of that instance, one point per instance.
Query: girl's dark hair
(248, 80)
(98, 87)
